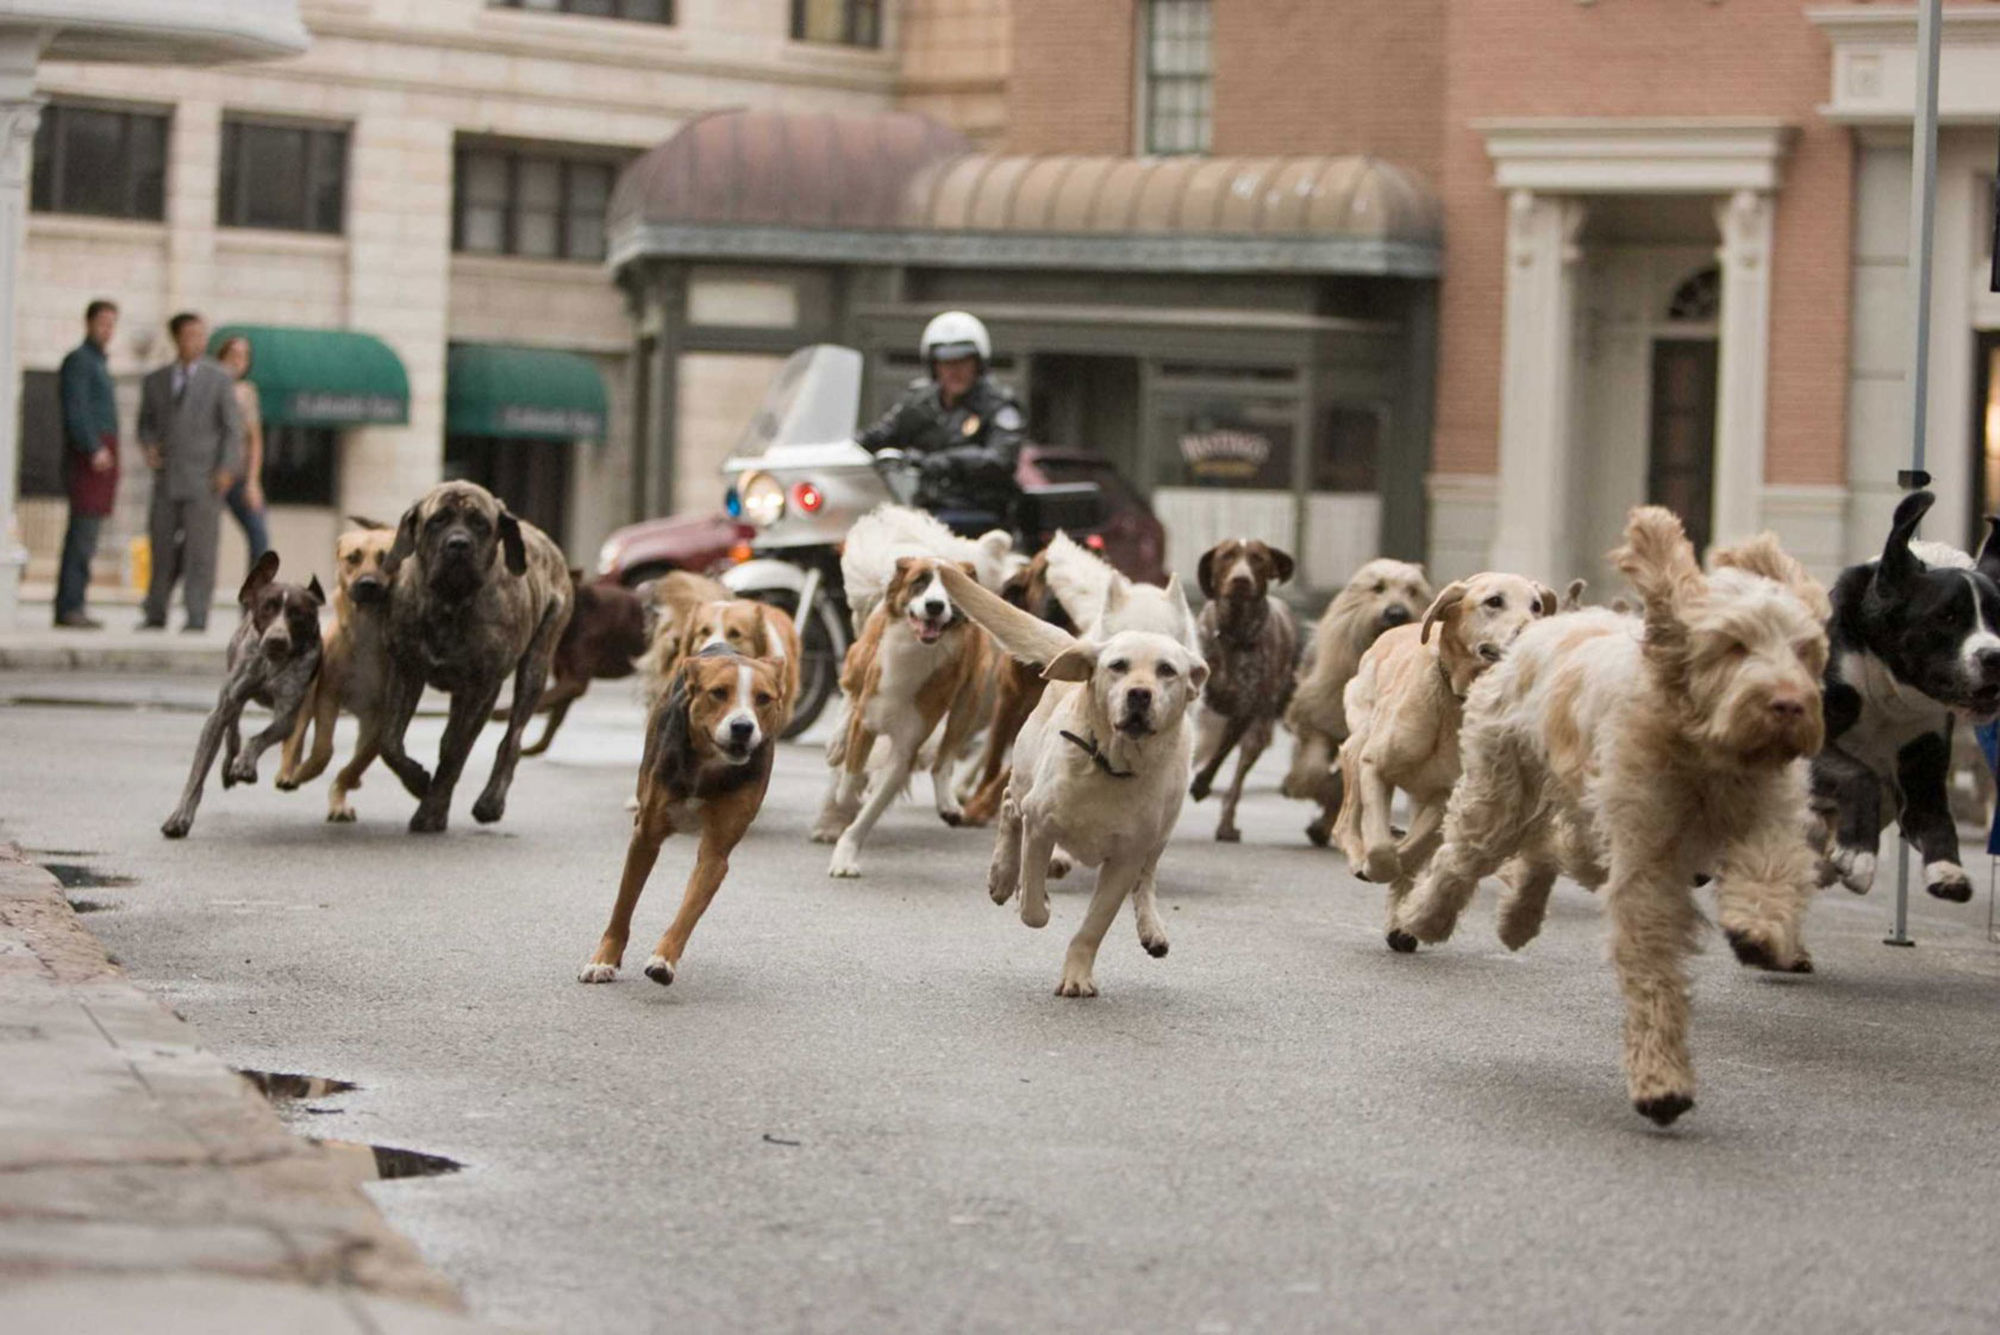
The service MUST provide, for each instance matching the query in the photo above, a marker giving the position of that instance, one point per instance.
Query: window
(112, 164)
(1177, 78)
(637, 11)
(842, 22)
(41, 434)
(299, 465)
(532, 204)
(1348, 452)
(289, 177)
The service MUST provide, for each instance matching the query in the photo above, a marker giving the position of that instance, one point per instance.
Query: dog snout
(368, 589)
(933, 608)
(1490, 652)
(1395, 614)
(742, 731)
(1987, 664)
(1788, 706)
(458, 542)
(1138, 700)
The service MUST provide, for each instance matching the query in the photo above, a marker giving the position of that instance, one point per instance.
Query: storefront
(1249, 340)
(515, 419)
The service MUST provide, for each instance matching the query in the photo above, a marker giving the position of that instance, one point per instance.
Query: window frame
(852, 16)
(513, 156)
(1145, 90)
(315, 485)
(232, 181)
(669, 17)
(54, 162)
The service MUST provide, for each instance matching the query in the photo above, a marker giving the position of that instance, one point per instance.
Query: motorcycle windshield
(815, 399)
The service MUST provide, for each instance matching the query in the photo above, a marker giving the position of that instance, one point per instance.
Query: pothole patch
(292, 1087)
(82, 876)
(360, 1162)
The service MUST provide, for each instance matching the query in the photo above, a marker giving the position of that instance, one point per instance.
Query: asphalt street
(861, 1107)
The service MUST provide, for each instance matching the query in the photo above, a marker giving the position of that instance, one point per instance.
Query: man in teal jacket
(90, 459)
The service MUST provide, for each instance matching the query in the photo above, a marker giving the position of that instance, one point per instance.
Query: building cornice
(1637, 155)
(1874, 66)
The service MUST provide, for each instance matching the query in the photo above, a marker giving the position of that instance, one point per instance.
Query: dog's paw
(598, 973)
(1753, 951)
(1401, 942)
(1155, 946)
(846, 862)
(1663, 1109)
(239, 771)
(285, 783)
(1947, 881)
(177, 826)
(341, 815)
(952, 817)
(659, 970)
(1515, 933)
(1228, 834)
(1380, 865)
(489, 809)
(429, 820)
(1320, 833)
(1059, 865)
(1853, 868)
(1076, 985)
(1035, 915)
(828, 829)
(1200, 788)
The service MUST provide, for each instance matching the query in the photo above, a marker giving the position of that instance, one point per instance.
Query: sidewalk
(35, 645)
(146, 1186)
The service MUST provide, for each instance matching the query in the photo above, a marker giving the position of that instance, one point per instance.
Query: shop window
(102, 162)
(285, 177)
(1347, 455)
(536, 205)
(41, 434)
(636, 11)
(299, 465)
(1177, 89)
(1222, 441)
(839, 22)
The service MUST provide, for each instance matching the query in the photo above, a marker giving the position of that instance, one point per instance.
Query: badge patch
(1008, 418)
(971, 427)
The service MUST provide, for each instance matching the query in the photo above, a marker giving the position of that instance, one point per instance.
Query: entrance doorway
(1680, 467)
(1087, 403)
(531, 476)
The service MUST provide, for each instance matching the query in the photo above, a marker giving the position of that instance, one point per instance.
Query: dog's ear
(1115, 594)
(1183, 619)
(1197, 675)
(1899, 564)
(1282, 565)
(1204, 574)
(1075, 663)
(1572, 598)
(363, 522)
(1659, 561)
(1442, 605)
(405, 545)
(971, 570)
(1547, 599)
(261, 574)
(672, 740)
(511, 545)
(1764, 557)
(1988, 563)
(774, 636)
(315, 592)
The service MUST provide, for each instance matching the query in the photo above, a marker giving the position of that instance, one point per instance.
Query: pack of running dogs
(1738, 727)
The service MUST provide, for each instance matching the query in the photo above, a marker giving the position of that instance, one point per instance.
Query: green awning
(533, 393)
(323, 377)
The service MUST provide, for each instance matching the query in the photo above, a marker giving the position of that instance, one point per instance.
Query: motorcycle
(799, 481)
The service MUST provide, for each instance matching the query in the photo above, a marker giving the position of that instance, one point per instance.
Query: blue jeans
(79, 545)
(255, 531)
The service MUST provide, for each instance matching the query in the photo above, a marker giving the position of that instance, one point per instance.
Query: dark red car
(1129, 536)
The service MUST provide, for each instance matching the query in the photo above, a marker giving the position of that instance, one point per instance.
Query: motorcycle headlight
(763, 499)
(607, 556)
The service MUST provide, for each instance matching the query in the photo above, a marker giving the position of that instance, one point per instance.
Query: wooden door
(1680, 469)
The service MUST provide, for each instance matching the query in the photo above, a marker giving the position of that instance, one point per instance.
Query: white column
(1744, 356)
(1538, 350)
(20, 112)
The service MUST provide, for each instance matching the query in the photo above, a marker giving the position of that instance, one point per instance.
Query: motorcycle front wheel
(822, 649)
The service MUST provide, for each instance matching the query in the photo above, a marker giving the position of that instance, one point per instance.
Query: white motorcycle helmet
(952, 335)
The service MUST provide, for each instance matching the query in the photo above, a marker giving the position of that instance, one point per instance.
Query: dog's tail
(1026, 637)
(1080, 579)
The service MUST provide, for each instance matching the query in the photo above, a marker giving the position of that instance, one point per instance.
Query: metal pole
(1923, 210)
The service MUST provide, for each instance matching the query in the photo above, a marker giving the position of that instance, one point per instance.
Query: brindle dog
(272, 659)
(1251, 643)
(477, 594)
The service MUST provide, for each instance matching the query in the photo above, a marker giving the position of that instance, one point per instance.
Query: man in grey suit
(192, 434)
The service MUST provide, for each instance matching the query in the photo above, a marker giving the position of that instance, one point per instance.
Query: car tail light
(740, 553)
(1094, 541)
(808, 497)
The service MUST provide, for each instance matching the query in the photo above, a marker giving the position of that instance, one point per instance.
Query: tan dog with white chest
(707, 765)
(353, 670)
(1101, 767)
(1404, 706)
(918, 663)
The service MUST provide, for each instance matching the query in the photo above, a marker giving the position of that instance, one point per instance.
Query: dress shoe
(192, 629)
(151, 625)
(78, 621)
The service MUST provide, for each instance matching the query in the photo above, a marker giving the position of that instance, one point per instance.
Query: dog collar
(1096, 754)
(1450, 686)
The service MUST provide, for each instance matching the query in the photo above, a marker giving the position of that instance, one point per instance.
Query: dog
(709, 743)
(753, 629)
(1100, 767)
(1404, 706)
(476, 594)
(669, 602)
(1017, 691)
(605, 637)
(1381, 595)
(353, 669)
(890, 531)
(917, 663)
(1667, 748)
(1251, 645)
(272, 659)
(1915, 640)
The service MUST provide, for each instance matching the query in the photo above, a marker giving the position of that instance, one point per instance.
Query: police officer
(961, 428)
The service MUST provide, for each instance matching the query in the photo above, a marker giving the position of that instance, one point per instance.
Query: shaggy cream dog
(1665, 748)
(1383, 594)
(1404, 706)
(1101, 766)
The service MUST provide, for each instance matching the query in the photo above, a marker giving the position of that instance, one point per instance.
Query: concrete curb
(140, 1176)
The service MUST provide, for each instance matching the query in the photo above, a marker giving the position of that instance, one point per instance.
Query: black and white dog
(1915, 640)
